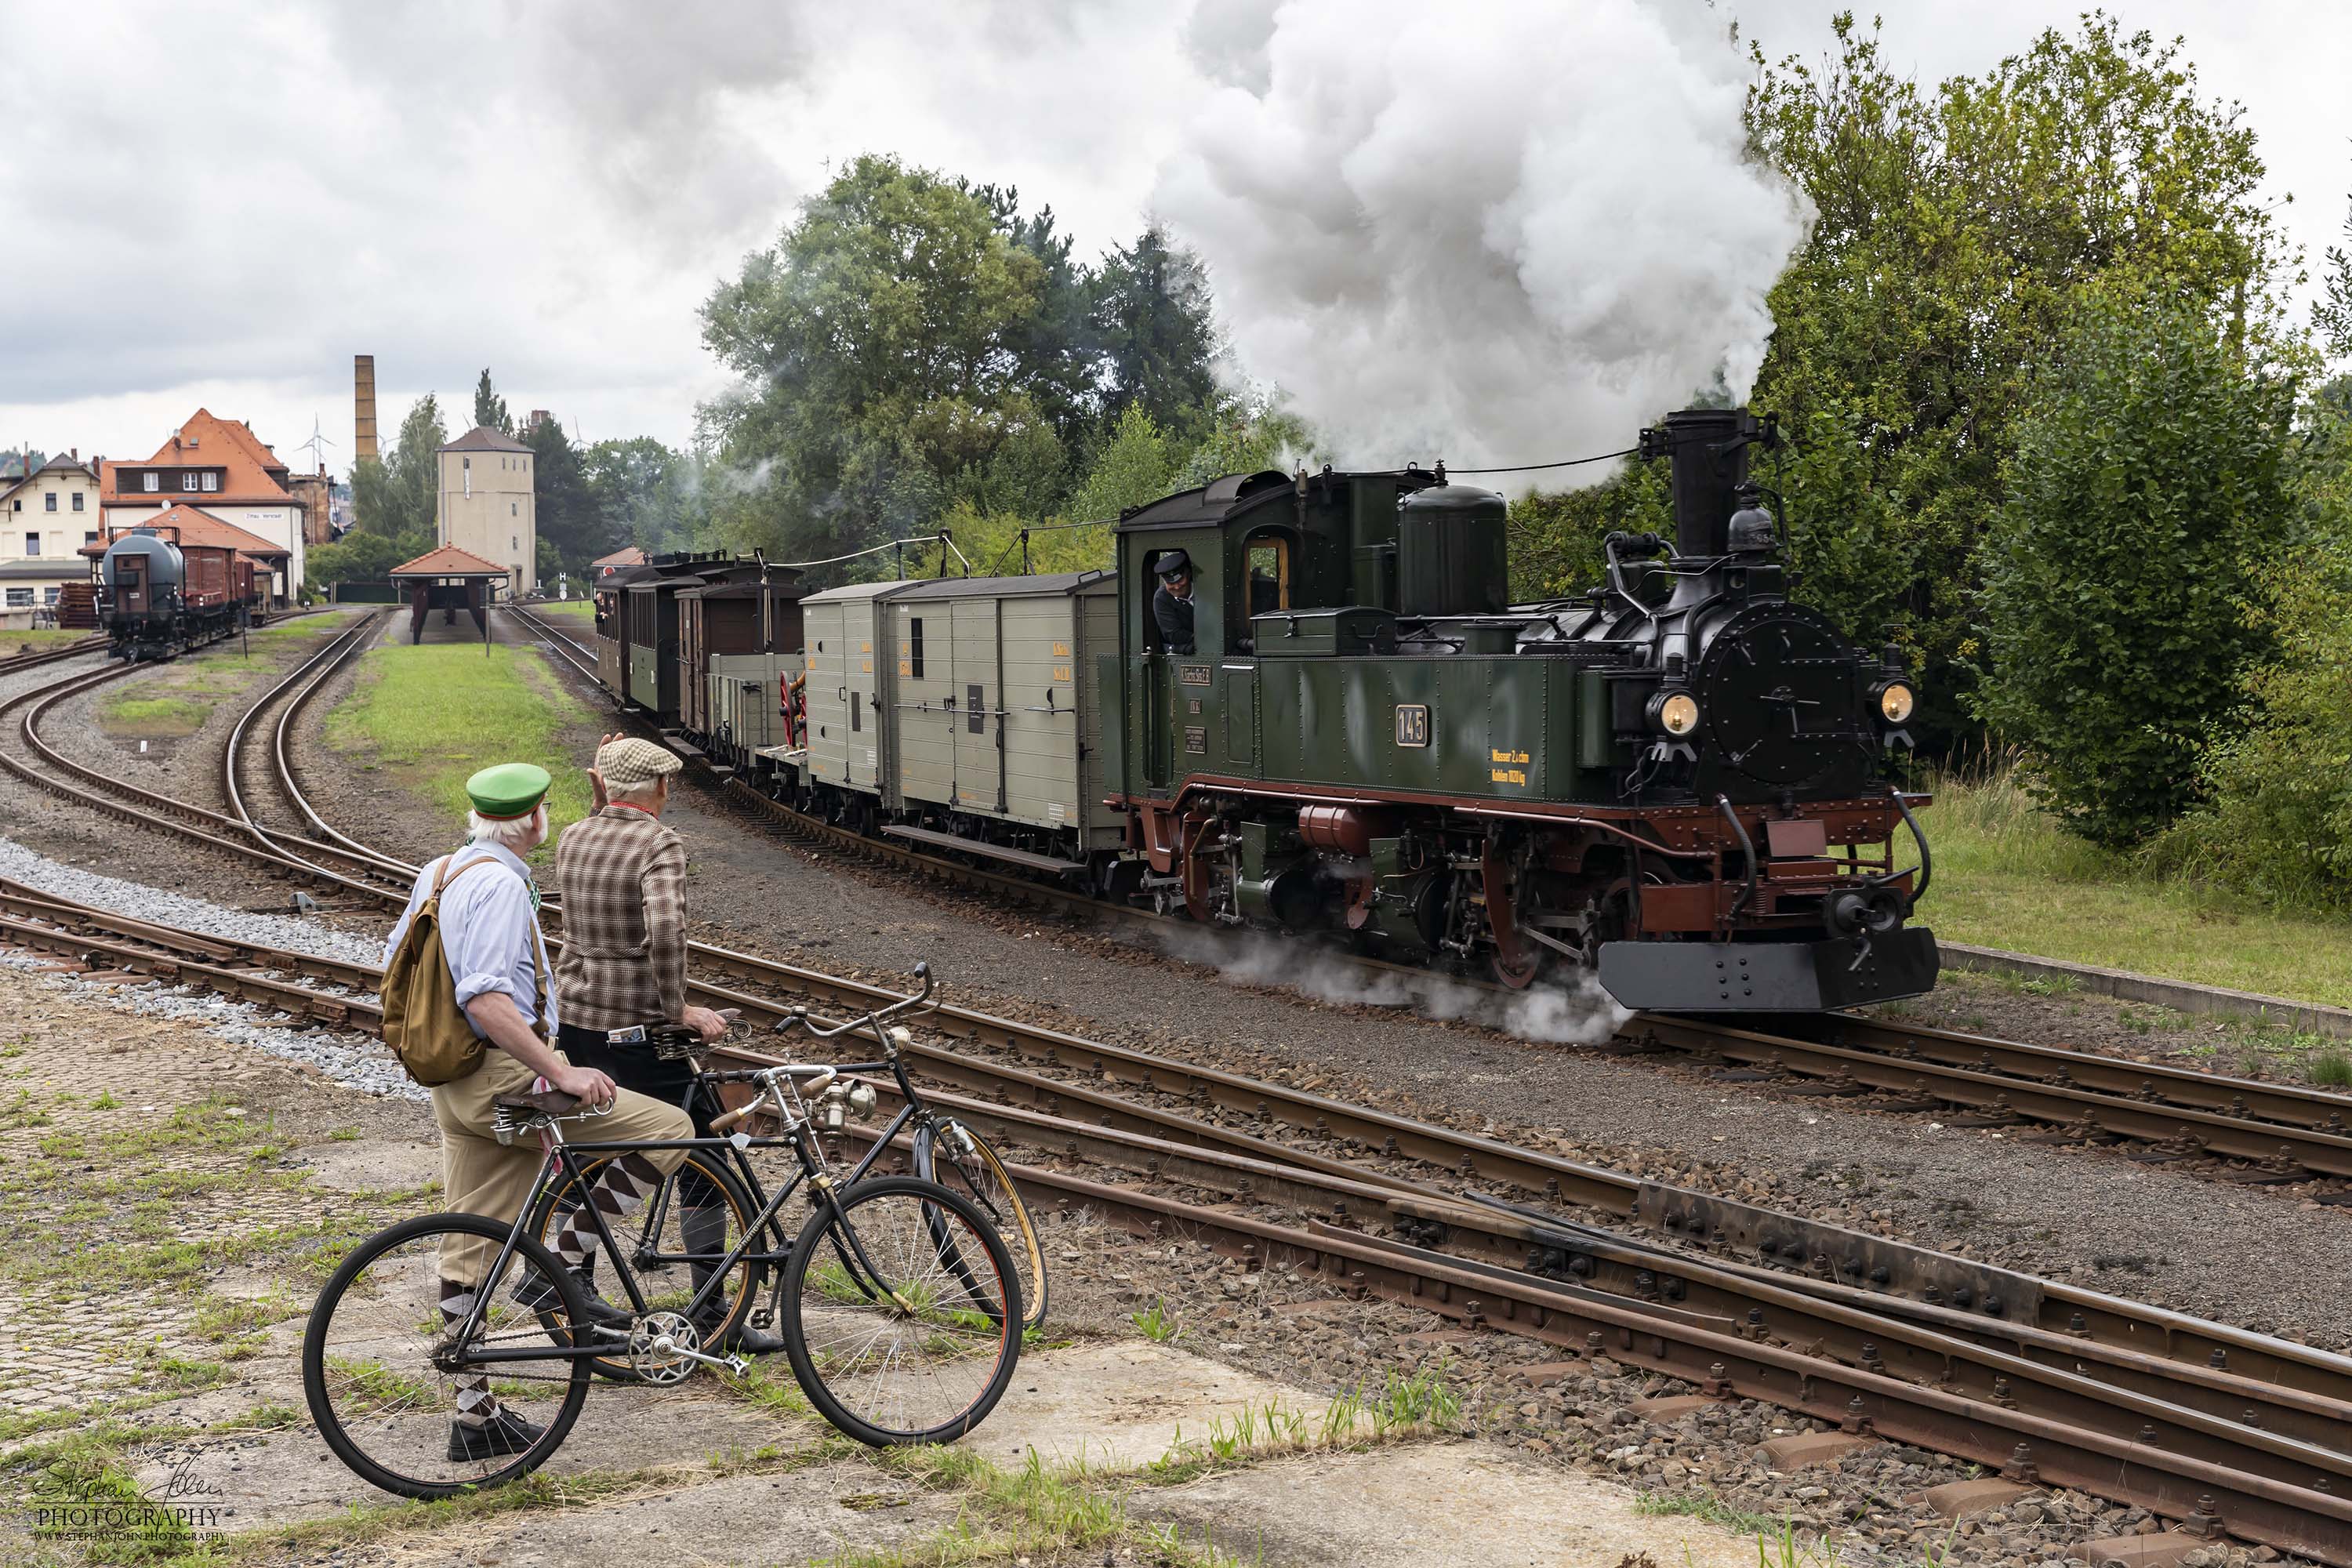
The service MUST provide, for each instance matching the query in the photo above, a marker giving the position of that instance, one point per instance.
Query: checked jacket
(623, 880)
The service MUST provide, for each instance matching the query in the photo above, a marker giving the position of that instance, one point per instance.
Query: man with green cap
(498, 961)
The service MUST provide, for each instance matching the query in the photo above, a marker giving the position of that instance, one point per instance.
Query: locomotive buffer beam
(1769, 977)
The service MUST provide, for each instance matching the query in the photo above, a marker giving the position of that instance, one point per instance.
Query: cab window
(1265, 574)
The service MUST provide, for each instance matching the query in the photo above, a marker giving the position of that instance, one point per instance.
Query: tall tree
(876, 344)
(2332, 312)
(1953, 226)
(645, 493)
(568, 514)
(1158, 333)
(2151, 490)
(398, 497)
(490, 408)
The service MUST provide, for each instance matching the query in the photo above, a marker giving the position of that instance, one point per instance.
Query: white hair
(636, 793)
(520, 835)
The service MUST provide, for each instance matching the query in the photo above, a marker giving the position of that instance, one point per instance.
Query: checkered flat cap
(629, 762)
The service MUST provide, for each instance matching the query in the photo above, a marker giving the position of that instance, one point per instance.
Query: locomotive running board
(1769, 976)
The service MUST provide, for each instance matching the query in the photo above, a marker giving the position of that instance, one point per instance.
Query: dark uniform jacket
(1175, 618)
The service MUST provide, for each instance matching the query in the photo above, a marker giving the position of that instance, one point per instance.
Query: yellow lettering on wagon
(1507, 756)
(1061, 650)
(1507, 775)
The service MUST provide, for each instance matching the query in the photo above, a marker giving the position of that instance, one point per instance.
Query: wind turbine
(316, 446)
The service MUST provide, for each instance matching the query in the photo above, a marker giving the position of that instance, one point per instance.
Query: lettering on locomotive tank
(1196, 741)
(1413, 723)
(1193, 674)
(1193, 705)
(1507, 756)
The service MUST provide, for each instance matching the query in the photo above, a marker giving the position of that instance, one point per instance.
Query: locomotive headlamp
(1675, 713)
(1896, 702)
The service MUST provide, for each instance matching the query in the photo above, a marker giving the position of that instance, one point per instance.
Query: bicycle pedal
(764, 1319)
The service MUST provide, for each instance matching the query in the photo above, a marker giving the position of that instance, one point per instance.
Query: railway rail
(2264, 1133)
(2251, 1441)
(2231, 1430)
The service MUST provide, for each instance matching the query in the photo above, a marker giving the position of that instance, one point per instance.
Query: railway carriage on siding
(177, 583)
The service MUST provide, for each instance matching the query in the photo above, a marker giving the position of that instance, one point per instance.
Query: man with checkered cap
(490, 937)
(623, 871)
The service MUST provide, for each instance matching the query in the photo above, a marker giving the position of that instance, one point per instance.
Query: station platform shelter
(448, 580)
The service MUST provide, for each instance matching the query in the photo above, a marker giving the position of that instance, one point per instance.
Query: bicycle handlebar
(798, 1017)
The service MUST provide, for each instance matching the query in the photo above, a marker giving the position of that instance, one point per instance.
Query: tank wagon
(157, 598)
(1682, 781)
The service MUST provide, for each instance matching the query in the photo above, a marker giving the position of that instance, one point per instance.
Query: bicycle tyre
(545, 1221)
(836, 1219)
(329, 1421)
(1016, 1225)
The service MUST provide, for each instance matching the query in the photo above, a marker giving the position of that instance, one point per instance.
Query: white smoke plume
(1501, 231)
(1574, 1012)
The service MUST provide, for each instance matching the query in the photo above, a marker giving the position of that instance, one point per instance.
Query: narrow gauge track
(2272, 1132)
(35, 658)
(2219, 1445)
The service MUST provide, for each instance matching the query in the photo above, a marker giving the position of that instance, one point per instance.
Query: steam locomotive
(1681, 782)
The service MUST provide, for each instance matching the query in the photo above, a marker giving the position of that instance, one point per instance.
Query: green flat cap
(510, 789)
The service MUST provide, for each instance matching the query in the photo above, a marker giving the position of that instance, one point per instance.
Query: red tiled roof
(254, 475)
(627, 556)
(448, 561)
(188, 525)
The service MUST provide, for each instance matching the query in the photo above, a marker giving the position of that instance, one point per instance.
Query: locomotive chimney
(1710, 458)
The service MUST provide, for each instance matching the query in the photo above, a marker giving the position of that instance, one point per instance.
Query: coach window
(915, 647)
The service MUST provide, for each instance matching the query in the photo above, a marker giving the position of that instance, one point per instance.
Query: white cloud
(221, 203)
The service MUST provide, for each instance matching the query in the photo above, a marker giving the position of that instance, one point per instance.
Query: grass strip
(435, 713)
(2008, 876)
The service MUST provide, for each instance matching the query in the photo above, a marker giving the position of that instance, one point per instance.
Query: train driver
(1171, 606)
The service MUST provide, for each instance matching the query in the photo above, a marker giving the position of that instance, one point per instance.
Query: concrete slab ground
(1432, 1505)
(806, 1516)
(1126, 1403)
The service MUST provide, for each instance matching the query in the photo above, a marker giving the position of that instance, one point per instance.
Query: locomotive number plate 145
(1413, 723)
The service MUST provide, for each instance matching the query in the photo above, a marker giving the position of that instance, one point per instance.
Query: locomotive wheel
(1525, 973)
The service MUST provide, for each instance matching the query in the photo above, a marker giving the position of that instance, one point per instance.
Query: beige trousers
(481, 1176)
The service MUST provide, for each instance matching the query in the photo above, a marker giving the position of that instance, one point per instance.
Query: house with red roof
(221, 467)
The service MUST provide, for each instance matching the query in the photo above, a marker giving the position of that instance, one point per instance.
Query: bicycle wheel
(700, 1211)
(961, 1161)
(894, 1338)
(400, 1409)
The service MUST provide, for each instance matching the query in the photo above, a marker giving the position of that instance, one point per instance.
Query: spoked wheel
(671, 1245)
(895, 1337)
(961, 1161)
(415, 1415)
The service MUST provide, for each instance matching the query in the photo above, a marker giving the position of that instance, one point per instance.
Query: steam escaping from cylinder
(1498, 232)
(1575, 1011)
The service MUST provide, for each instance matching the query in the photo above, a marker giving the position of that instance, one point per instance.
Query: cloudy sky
(220, 203)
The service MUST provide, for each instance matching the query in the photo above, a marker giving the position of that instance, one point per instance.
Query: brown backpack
(423, 1022)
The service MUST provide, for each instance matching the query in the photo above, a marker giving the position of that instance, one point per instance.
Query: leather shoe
(537, 1293)
(504, 1433)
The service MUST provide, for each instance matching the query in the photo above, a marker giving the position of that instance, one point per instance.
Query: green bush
(2150, 492)
(2278, 817)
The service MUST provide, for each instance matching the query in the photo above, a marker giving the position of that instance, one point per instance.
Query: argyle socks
(476, 1403)
(620, 1187)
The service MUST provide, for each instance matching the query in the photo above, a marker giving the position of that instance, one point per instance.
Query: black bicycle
(675, 1244)
(898, 1303)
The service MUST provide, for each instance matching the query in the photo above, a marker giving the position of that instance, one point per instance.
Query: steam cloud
(1579, 1013)
(1503, 231)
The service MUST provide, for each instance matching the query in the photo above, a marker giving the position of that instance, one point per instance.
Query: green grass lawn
(2007, 877)
(434, 714)
(39, 641)
(580, 610)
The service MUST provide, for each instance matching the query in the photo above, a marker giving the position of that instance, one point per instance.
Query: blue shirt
(489, 930)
